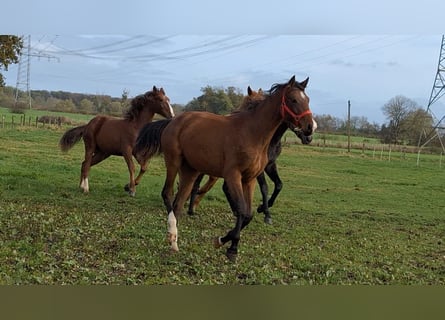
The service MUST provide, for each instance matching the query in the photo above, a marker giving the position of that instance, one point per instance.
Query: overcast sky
(365, 53)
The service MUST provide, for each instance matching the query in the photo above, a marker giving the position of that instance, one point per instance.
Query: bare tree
(397, 110)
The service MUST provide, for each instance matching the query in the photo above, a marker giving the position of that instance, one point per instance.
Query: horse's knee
(279, 185)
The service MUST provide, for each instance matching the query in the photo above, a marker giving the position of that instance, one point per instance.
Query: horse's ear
(291, 81)
(260, 91)
(304, 83)
(249, 90)
(155, 90)
(162, 91)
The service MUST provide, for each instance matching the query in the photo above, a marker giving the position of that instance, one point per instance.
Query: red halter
(286, 110)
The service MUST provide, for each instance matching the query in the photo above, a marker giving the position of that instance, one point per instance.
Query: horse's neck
(276, 138)
(266, 119)
(145, 117)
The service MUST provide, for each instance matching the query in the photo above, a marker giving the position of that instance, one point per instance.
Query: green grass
(33, 114)
(340, 219)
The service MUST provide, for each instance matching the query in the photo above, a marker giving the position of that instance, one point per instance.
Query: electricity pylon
(24, 70)
(437, 130)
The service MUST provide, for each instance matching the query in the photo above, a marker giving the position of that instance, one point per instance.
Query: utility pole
(349, 126)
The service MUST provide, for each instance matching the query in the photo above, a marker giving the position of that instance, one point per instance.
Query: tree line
(405, 118)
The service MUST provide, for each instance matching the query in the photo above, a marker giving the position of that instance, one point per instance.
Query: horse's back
(111, 135)
(209, 143)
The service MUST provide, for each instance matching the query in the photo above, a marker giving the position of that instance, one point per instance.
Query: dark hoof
(191, 213)
(260, 209)
(231, 255)
(267, 220)
(127, 188)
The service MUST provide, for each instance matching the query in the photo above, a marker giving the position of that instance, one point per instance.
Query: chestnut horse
(104, 136)
(271, 169)
(233, 147)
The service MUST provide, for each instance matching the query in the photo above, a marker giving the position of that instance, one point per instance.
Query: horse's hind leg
(85, 169)
(199, 194)
(187, 176)
(194, 194)
(90, 160)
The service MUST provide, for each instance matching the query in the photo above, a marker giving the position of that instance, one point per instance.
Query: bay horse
(271, 169)
(232, 147)
(104, 136)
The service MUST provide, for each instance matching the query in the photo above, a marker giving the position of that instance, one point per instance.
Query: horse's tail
(71, 137)
(148, 142)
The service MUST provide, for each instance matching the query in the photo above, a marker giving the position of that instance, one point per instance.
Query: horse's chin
(305, 139)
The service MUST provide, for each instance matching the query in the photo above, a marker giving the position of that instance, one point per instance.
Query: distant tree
(86, 106)
(125, 102)
(415, 122)
(327, 122)
(397, 111)
(65, 106)
(10, 49)
(235, 96)
(116, 108)
(215, 100)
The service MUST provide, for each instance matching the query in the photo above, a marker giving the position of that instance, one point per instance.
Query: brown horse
(271, 169)
(104, 136)
(233, 147)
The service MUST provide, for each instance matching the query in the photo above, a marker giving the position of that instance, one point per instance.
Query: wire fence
(17, 120)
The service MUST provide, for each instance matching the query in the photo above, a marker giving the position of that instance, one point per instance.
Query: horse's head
(161, 102)
(295, 107)
(252, 99)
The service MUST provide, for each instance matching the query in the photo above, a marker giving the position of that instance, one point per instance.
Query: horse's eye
(294, 101)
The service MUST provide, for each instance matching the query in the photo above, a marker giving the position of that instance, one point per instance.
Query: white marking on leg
(84, 185)
(172, 231)
(87, 187)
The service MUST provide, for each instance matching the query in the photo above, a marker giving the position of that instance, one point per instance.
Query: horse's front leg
(264, 207)
(272, 172)
(240, 198)
(130, 187)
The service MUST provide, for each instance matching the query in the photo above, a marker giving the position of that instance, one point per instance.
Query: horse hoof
(217, 243)
(127, 188)
(191, 213)
(231, 256)
(260, 209)
(267, 220)
(174, 247)
(132, 193)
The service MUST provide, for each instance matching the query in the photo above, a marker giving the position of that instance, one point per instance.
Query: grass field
(341, 219)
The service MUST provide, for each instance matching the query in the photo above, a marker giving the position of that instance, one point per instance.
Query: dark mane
(277, 87)
(137, 104)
